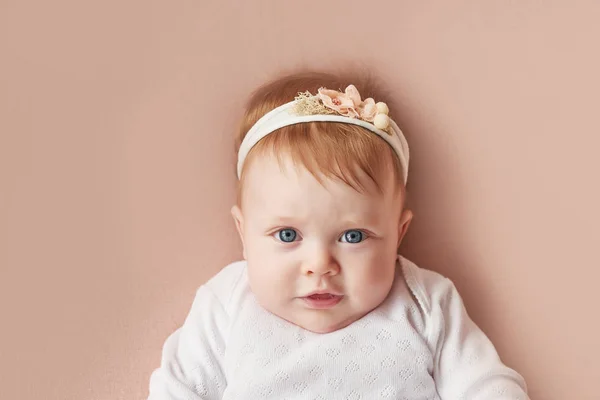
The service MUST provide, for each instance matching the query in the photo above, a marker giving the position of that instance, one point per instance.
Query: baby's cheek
(259, 279)
(269, 283)
(266, 295)
(373, 284)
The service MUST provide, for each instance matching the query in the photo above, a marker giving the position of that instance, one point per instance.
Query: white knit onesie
(418, 344)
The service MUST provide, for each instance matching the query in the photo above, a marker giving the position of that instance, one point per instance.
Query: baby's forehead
(285, 170)
(280, 178)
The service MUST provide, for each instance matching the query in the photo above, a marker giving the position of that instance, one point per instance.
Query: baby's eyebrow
(350, 219)
(367, 216)
(283, 219)
(353, 220)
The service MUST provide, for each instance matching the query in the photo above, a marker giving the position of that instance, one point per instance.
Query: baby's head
(321, 204)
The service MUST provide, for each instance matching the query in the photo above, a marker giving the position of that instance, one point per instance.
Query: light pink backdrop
(116, 170)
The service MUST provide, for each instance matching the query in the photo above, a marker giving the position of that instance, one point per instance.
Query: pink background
(117, 174)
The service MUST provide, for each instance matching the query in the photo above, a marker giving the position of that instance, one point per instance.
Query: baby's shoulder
(228, 282)
(429, 288)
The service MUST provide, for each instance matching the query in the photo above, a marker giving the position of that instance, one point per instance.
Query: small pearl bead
(381, 121)
(382, 108)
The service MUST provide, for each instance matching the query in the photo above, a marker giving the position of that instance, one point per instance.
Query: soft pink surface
(117, 173)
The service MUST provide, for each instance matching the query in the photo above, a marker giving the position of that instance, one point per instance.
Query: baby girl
(322, 306)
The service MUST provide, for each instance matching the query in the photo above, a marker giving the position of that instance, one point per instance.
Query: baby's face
(319, 256)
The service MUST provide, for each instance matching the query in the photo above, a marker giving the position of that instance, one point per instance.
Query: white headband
(286, 115)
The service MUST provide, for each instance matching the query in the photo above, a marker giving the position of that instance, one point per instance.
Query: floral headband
(330, 106)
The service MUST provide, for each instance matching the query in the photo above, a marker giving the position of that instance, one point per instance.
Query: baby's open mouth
(323, 296)
(322, 300)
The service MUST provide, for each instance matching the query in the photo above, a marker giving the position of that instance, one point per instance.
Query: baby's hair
(326, 149)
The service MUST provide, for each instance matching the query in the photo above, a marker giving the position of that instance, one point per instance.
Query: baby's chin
(323, 326)
(317, 321)
(327, 329)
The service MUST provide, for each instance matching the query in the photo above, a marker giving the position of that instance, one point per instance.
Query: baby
(323, 307)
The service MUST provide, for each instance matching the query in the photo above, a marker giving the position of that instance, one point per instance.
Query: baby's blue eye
(287, 235)
(353, 236)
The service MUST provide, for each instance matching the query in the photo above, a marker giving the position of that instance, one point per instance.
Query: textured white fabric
(284, 116)
(419, 344)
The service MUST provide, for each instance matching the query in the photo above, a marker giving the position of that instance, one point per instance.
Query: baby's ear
(403, 224)
(238, 218)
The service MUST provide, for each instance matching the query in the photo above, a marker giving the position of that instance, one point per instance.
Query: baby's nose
(322, 264)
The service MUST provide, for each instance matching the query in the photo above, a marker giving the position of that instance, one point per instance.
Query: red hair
(326, 149)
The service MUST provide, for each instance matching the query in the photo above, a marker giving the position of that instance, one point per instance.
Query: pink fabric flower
(348, 103)
(367, 110)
